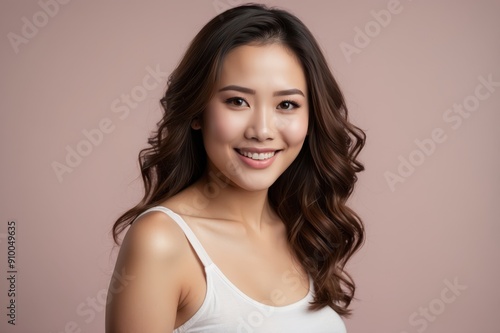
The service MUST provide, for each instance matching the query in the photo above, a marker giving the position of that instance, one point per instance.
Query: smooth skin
(227, 208)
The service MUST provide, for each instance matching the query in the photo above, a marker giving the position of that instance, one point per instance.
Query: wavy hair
(310, 196)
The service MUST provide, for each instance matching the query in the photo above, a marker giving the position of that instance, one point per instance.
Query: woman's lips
(257, 158)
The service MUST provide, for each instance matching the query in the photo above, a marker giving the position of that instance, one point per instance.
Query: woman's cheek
(294, 130)
(224, 125)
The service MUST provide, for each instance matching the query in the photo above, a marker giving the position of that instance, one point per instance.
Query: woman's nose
(261, 124)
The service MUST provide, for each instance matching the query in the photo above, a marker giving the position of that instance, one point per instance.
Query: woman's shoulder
(155, 235)
(153, 257)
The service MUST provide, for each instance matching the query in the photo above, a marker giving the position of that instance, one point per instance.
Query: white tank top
(226, 309)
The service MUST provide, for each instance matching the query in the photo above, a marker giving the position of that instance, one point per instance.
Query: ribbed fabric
(226, 309)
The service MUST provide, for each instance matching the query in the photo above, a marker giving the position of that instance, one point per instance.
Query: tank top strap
(193, 240)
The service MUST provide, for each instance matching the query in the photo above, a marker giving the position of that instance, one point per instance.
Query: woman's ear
(195, 123)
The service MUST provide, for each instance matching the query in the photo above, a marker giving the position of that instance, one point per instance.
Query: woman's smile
(258, 158)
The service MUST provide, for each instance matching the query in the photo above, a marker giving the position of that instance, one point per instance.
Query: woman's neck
(219, 198)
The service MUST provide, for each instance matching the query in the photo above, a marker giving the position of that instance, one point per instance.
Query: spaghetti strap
(195, 243)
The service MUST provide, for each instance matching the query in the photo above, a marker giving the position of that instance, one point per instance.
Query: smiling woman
(249, 119)
(256, 129)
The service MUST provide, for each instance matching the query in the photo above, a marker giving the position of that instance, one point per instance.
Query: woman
(244, 225)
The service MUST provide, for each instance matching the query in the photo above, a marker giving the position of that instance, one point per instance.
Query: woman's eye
(284, 105)
(288, 105)
(236, 101)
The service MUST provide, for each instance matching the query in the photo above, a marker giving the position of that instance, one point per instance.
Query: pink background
(436, 227)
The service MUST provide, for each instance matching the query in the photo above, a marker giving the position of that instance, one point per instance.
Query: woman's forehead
(270, 65)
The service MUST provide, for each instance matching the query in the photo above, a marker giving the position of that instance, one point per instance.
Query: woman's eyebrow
(252, 92)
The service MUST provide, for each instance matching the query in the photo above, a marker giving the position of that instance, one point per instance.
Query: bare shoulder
(155, 235)
(147, 282)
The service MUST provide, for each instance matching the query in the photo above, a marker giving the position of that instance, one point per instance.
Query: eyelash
(293, 103)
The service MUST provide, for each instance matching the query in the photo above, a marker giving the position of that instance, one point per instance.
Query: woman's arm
(145, 289)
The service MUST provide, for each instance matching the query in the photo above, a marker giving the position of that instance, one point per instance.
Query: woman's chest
(264, 269)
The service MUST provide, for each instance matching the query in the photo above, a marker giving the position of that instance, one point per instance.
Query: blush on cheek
(295, 131)
(224, 126)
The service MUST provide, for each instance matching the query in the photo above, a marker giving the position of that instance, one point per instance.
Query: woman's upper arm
(144, 291)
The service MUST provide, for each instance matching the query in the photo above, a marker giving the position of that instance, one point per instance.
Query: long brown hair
(310, 196)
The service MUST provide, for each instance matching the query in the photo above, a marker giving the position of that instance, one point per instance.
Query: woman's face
(254, 126)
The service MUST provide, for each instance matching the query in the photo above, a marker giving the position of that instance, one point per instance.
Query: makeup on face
(258, 118)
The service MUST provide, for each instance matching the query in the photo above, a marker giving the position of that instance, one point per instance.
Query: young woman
(244, 225)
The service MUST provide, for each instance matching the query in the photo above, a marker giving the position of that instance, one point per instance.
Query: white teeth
(256, 156)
